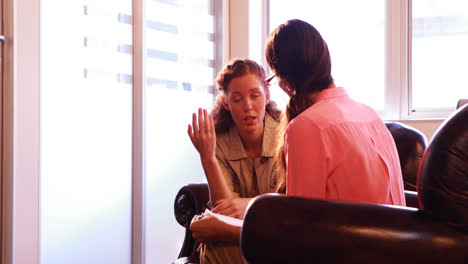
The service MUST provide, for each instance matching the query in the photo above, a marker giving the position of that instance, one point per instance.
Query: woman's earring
(288, 90)
(225, 105)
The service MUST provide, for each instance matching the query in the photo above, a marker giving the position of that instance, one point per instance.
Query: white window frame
(21, 132)
(410, 113)
(398, 90)
(396, 59)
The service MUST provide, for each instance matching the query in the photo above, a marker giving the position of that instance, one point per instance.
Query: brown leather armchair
(281, 229)
(193, 198)
(411, 144)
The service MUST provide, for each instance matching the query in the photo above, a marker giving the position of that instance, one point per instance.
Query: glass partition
(180, 68)
(86, 132)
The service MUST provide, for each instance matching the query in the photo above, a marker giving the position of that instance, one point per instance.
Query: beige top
(244, 176)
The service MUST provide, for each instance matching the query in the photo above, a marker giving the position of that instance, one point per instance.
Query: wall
(428, 127)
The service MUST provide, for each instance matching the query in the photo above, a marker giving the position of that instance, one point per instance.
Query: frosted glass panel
(171, 162)
(86, 132)
(180, 78)
(355, 34)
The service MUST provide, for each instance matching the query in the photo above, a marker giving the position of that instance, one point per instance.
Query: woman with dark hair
(331, 147)
(236, 143)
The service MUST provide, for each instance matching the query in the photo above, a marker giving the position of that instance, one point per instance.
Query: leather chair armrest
(281, 229)
(191, 199)
(412, 199)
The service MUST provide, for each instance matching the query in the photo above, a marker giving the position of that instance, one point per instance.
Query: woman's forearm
(233, 234)
(203, 136)
(216, 182)
(230, 233)
(215, 228)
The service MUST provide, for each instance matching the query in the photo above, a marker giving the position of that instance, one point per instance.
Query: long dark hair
(222, 118)
(297, 54)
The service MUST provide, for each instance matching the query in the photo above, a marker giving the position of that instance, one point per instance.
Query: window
(404, 70)
(356, 41)
(439, 37)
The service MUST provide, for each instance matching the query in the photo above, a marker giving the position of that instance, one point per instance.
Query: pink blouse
(339, 149)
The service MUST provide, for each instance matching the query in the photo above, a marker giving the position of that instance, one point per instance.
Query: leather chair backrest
(411, 144)
(443, 175)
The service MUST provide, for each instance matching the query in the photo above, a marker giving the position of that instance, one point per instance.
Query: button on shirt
(339, 149)
(244, 176)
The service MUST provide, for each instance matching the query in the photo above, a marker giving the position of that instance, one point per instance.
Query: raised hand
(202, 134)
(234, 207)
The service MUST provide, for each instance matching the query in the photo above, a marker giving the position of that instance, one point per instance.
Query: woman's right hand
(207, 228)
(202, 134)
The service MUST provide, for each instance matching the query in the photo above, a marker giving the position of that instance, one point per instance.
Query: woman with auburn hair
(236, 143)
(331, 147)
